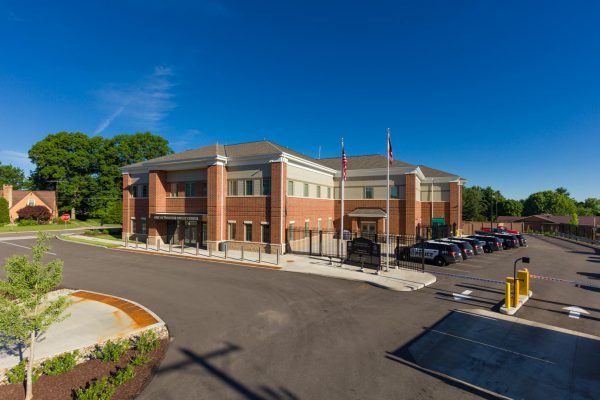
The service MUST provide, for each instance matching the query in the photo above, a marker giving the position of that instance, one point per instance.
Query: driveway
(241, 332)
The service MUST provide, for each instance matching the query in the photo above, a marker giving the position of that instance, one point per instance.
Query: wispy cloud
(16, 158)
(144, 104)
(15, 17)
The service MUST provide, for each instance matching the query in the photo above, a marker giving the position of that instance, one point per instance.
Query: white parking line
(25, 247)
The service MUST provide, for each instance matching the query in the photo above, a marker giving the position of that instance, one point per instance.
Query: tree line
(85, 170)
(485, 204)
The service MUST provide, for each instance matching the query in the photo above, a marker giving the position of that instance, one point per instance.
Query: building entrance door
(203, 234)
(368, 229)
(190, 233)
(172, 232)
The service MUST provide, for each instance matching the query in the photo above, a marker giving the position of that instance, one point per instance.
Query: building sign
(363, 251)
(174, 217)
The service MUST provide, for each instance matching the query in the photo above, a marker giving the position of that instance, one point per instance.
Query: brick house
(18, 199)
(255, 191)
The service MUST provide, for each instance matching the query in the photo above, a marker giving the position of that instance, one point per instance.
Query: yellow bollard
(507, 302)
(523, 277)
(515, 293)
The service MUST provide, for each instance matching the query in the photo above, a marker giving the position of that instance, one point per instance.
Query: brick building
(256, 191)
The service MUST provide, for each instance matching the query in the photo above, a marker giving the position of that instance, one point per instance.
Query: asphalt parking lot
(241, 332)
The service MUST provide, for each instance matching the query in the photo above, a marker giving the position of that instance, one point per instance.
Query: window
(248, 232)
(368, 192)
(394, 192)
(265, 234)
(144, 226)
(144, 190)
(306, 190)
(31, 202)
(231, 231)
(319, 192)
(328, 192)
(232, 188)
(190, 189)
(174, 190)
(290, 188)
(134, 192)
(318, 224)
(266, 187)
(329, 223)
(306, 228)
(249, 188)
(203, 189)
(133, 225)
(291, 231)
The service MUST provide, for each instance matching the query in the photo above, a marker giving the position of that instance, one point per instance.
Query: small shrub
(123, 375)
(27, 222)
(112, 351)
(140, 359)
(17, 373)
(97, 390)
(147, 342)
(60, 364)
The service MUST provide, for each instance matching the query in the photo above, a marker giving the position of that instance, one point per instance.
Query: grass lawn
(55, 227)
(91, 241)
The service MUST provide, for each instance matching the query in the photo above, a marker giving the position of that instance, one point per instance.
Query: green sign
(438, 221)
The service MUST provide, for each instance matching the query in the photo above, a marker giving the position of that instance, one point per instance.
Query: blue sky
(504, 93)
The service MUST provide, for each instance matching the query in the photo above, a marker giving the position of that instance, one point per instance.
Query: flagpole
(342, 208)
(387, 216)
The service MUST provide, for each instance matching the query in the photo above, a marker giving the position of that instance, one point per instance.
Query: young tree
(25, 309)
(4, 211)
(574, 219)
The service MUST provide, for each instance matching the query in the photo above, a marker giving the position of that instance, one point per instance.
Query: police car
(464, 246)
(437, 253)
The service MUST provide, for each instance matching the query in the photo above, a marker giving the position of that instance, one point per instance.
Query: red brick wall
(278, 201)
(440, 210)
(157, 197)
(254, 209)
(454, 217)
(299, 209)
(397, 216)
(127, 204)
(186, 205)
(411, 205)
(216, 202)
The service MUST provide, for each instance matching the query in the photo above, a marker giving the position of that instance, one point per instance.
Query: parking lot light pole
(525, 260)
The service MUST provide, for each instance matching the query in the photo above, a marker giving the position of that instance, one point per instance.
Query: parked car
(522, 240)
(437, 253)
(494, 243)
(475, 243)
(510, 241)
(464, 246)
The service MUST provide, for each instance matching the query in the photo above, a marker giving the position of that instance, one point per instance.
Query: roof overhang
(368, 213)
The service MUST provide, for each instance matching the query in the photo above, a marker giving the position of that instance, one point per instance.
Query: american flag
(344, 163)
(390, 154)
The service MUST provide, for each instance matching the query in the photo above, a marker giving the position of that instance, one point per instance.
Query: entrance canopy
(178, 217)
(368, 213)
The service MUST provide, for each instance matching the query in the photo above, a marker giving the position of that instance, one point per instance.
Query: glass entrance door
(367, 230)
(191, 233)
(203, 234)
(172, 232)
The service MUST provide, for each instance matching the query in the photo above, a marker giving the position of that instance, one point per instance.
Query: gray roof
(434, 173)
(227, 150)
(363, 162)
(368, 212)
(268, 147)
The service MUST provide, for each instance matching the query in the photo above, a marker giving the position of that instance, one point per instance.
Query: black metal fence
(327, 244)
(587, 233)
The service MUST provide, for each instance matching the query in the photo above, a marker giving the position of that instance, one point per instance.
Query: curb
(84, 243)
(239, 263)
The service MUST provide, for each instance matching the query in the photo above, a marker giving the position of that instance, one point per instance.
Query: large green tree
(510, 207)
(549, 202)
(10, 175)
(471, 209)
(85, 170)
(590, 206)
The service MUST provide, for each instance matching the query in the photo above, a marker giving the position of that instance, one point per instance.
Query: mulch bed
(64, 386)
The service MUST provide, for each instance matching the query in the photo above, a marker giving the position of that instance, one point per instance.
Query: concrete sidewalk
(395, 279)
(93, 319)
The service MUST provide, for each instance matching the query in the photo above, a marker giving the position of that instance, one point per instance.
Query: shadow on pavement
(203, 360)
(494, 356)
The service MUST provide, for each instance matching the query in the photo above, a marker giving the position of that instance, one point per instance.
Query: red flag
(390, 154)
(344, 163)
